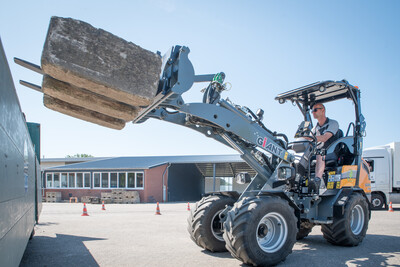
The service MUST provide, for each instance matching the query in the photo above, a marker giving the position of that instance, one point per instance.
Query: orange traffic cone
(188, 208)
(84, 210)
(158, 209)
(391, 207)
(103, 207)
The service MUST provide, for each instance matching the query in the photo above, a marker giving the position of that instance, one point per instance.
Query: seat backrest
(337, 136)
(343, 148)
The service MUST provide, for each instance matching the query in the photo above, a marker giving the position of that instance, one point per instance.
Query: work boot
(314, 184)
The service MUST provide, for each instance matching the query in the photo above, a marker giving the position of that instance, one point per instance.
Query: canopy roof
(319, 92)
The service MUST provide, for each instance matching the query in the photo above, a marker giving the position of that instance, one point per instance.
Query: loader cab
(345, 148)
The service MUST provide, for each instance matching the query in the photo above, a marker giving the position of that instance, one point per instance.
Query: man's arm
(324, 137)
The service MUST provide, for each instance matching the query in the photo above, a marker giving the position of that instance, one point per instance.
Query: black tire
(260, 231)
(377, 202)
(351, 228)
(304, 231)
(204, 225)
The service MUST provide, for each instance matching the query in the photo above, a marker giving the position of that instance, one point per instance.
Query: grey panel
(185, 183)
(17, 173)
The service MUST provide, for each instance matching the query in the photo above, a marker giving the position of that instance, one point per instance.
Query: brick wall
(153, 184)
(152, 188)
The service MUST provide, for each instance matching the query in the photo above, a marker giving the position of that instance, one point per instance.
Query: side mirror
(243, 178)
(260, 114)
(285, 173)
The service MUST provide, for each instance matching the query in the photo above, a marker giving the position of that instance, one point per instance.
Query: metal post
(164, 187)
(214, 171)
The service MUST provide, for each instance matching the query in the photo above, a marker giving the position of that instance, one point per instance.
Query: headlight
(243, 178)
(285, 173)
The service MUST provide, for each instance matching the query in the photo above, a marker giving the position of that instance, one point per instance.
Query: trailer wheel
(204, 225)
(377, 202)
(260, 231)
(304, 231)
(351, 228)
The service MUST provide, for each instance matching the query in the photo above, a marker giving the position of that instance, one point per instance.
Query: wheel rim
(357, 219)
(376, 202)
(272, 231)
(217, 227)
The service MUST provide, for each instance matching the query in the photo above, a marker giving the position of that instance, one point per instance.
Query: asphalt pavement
(132, 235)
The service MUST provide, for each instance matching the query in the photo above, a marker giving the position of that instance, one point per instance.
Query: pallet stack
(131, 197)
(85, 199)
(120, 196)
(117, 195)
(106, 197)
(90, 199)
(53, 196)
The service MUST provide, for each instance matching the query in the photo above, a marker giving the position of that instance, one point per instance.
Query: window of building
(56, 179)
(113, 180)
(122, 180)
(86, 176)
(131, 180)
(96, 179)
(64, 180)
(68, 180)
(139, 180)
(79, 180)
(49, 180)
(104, 180)
(71, 180)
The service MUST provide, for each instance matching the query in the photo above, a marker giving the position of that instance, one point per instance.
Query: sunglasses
(315, 109)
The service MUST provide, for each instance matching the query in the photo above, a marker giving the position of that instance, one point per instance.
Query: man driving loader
(324, 130)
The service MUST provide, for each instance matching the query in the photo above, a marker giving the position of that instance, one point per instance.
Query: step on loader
(282, 202)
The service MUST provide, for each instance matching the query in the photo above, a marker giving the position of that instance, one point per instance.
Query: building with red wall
(156, 179)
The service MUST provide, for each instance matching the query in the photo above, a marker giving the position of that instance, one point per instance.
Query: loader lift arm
(233, 125)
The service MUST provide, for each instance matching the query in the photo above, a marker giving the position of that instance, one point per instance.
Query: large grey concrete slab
(82, 113)
(87, 57)
(85, 98)
(131, 235)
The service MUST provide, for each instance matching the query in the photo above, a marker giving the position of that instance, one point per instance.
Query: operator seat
(340, 152)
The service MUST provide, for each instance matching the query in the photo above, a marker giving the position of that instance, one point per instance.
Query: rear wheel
(204, 225)
(377, 202)
(260, 230)
(351, 228)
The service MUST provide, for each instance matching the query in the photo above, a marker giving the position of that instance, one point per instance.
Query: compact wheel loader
(282, 202)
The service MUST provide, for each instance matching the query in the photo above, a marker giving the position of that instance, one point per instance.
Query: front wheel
(260, 231)
(350, 228)
(377, 202)
(204, 224)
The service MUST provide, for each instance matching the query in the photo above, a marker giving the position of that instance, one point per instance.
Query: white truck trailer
(384, 164)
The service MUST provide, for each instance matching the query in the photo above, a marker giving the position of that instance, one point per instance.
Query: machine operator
(324, 130)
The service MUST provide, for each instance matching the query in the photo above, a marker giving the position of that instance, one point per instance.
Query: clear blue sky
(264, 47)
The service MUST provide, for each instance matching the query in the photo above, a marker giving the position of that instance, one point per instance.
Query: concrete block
(77, 53)
(84, 98)
(82, 113)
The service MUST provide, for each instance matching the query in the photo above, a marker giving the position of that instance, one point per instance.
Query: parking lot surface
(132, 235)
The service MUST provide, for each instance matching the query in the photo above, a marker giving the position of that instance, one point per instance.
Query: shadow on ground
(375, 250)
(61, 250)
